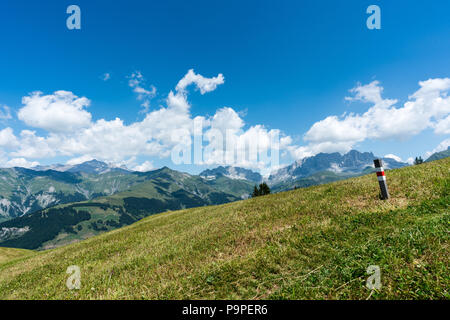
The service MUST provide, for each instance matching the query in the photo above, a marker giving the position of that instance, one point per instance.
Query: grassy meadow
(10, 254)
(313, 243)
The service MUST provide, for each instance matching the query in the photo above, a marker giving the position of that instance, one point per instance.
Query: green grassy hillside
(11, 254)
(313, 243)
(238, 188)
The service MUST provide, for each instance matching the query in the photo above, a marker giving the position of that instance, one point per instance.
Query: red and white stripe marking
(380, 174)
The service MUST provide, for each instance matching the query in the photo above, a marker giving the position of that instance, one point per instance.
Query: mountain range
(152, 192)
(45, 207)
(90, 167)
(232, 173)
(24, 191)
(349, 164)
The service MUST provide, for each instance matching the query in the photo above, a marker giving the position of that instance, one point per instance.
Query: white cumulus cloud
(442, 126)
(156, 135)
(227, 139)
(202, 83)
(393, 156)
(61, 111)
(441, 147)
(428, 107)
(21, 162)
(7, 138)
(144, 167)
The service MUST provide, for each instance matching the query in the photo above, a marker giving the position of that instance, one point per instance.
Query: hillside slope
(313, 243)
(10, 254)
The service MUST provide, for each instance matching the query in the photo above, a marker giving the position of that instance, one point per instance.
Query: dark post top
(378, 163)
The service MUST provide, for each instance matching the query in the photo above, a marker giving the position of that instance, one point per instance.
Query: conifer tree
(255, 192)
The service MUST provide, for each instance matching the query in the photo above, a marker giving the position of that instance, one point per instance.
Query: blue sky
(287, 65)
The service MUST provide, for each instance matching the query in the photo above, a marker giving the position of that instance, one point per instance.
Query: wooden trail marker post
(381, 178)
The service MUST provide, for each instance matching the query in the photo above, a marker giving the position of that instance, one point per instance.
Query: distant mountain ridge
(24, 191)
(91, 167)
(353, 162)
(235, 173)
(439, 155)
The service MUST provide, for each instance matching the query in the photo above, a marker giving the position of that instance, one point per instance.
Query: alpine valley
(47, 207)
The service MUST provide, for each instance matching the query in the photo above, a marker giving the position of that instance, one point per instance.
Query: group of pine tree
(262, 190)
(418, 160)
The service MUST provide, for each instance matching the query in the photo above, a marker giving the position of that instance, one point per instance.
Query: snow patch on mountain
(5, 206)
(10, 233)
(209, 178)
(44, 200)
(234, 173)
(90, 167)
